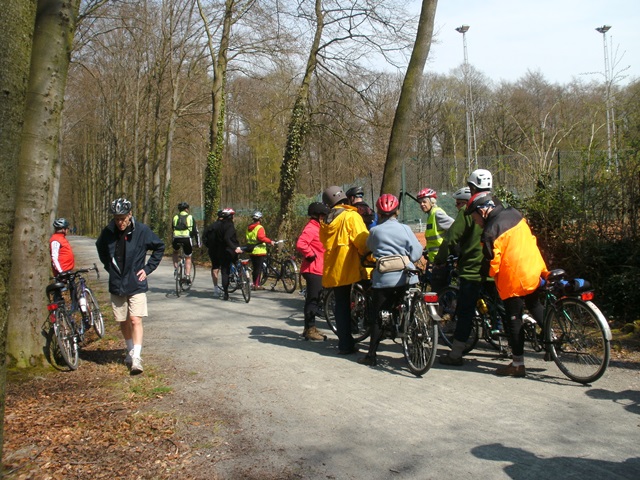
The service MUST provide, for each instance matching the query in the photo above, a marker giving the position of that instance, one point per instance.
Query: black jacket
(124, 282)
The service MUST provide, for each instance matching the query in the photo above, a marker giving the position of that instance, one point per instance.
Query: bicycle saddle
(55, 286)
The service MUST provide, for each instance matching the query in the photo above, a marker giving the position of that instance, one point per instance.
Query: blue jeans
(346, 342)
(467, 298)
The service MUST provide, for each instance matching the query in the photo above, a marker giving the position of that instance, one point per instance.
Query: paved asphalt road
(323, 416)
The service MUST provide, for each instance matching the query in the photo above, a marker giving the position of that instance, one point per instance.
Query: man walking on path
(122, 248)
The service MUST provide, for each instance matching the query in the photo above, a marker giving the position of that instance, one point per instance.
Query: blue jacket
(141, 239)
(393, 238)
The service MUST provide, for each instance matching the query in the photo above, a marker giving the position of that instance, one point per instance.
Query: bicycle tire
(447, 305)
(360, 328)
(178, 275)
(245, 283)
(289, 275)
(193, 271)
(264, 274)
(579, 339)
(420, 339)
(95, 315)
(233, 278)
(65, 338)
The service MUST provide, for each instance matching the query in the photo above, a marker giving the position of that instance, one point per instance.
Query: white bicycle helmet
(120, 206)
(257, 215)
(463, 194)
(481, 179)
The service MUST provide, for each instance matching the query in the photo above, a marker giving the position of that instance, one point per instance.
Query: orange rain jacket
(515, 260)
(344, 236)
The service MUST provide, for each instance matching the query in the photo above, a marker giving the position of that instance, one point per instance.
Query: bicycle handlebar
(75, 273)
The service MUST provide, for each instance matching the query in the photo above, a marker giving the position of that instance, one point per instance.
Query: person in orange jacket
(513, 259)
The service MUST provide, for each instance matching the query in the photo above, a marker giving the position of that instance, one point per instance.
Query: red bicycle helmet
(427, 193)
(387, 204)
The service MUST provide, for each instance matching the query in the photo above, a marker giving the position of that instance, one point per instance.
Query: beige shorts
(135, 306)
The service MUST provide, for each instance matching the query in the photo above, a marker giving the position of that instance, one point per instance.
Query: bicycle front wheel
(289, 275)
(244, 278)
(95, 315)
(420, 339)
(360, 327)
(579, 339)
(329, 307)
(65, 338)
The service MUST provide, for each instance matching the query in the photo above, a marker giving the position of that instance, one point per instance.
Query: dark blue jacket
(141, 239)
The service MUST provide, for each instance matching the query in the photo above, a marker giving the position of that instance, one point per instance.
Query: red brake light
(431, 297)
(52, 307)
(586, 296)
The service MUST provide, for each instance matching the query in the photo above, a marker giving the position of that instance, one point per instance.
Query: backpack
(210, 236)
(182, 223)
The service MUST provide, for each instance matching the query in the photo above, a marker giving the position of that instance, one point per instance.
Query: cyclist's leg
(175, 244)
(312, 297)
(256, 269)
(381, 299)
(225, 267)
(466, 309)
(188, 251)
(346, 343)
(514, 307)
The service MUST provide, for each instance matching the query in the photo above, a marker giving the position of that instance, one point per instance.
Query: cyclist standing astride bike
(355, 196)
(344, 237)
(389, 238)
(122, 247)
(209, 239)
(227, 248)
(185, 232)
(62, 259)
(464, 235)
(312, 251)
(437, 223)
(513, 259)
(257, 238)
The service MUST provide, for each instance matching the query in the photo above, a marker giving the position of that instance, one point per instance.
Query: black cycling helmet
(182, 206)
(316, 209)
(219, 213)
(333, 195)
(60, 223)
(120, 206)
(478, 200)
(355, 192)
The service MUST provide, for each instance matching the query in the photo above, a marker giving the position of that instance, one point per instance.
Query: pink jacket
(311, 248)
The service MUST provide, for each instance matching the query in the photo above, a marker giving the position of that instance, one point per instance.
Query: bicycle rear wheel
(244, 279)
(420, 339)
(66, 339)
(289, 275)
(178, 275)
(95, 315)
(579, 339)
(193, 271)
(264, 274)
(233, 278)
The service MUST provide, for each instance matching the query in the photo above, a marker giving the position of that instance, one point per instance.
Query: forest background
(262, 104)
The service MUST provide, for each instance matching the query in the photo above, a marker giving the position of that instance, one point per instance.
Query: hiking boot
(313, 334)
(511, 371)
(447, 359)
(368, 360)
(136, 365)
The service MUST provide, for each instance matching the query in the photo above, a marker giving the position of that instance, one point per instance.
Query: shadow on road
(527, 465)
(629, 399)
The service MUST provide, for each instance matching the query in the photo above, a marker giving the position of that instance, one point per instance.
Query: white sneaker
(136, 365)
(217, 290)
(128, 360)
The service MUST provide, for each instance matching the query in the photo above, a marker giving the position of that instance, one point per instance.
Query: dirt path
(261, 403)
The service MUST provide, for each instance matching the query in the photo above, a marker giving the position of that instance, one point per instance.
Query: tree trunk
(298, 128)
(54, 29)
(16, 32)
(404, 113)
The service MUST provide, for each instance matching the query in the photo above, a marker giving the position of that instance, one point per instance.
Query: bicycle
(360, 327)
(574, 333)
(414, 319)
(240, 275)
(451, 274)
(180, 275)
(72, 319)
(280, 266)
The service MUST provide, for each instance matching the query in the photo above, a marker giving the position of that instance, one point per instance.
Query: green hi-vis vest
(252, 239)
(179, 223)
(433, 235)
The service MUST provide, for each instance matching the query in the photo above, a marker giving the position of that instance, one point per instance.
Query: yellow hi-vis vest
(252, 239)
(433, 235)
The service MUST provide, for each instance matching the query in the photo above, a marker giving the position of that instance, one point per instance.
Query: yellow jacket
(344, 236)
